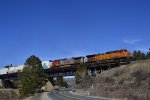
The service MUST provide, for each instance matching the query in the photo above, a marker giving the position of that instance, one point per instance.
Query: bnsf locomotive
(112, 56)
(67, 62)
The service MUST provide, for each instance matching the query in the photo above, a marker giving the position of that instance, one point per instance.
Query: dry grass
(8, 94)
(129, 81)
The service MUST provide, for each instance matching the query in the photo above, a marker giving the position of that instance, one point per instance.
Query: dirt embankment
(12, 94)
(130, 82)
(8, 94)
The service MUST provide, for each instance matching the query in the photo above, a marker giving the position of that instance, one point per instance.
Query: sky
(53, 29)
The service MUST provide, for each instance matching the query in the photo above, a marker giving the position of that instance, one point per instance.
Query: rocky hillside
(130, 82)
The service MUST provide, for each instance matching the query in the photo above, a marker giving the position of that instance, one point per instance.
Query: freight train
(112, 56)
(108, 57)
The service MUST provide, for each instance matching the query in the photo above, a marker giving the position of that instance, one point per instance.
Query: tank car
(3, 71)
(46, 64)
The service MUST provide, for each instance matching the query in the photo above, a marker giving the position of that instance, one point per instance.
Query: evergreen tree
(138, 55)
(61, 82)
(65, 84)
(148, 54)
(143, 56)
(134, 55)
(32, 77)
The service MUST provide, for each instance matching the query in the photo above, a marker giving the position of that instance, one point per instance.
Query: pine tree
(143, 56)
(148, 54)
(65, 84)
(138, 55)
(32, 77)
(61, 82)
(135, 55)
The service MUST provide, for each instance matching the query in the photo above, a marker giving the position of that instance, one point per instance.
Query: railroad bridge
(93, 68)
(95, 64)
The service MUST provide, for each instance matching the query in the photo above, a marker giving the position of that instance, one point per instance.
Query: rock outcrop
(48, 87)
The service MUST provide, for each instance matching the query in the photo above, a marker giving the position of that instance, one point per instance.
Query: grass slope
(128, 81)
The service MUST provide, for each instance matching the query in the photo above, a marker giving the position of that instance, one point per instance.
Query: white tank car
(12, 69)
(3, 71)
(46, 64)
(19, 68)
(15, 69)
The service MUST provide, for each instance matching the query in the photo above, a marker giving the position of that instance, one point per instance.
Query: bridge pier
(51, 79)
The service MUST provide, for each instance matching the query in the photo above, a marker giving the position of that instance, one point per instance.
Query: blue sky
(52, 29)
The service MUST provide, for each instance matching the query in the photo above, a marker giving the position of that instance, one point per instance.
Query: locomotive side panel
(55, 63)
(66, 61)
(79, 61)
(110, 55)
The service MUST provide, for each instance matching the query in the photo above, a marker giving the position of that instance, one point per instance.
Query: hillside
(128, 81)
(8, 94)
